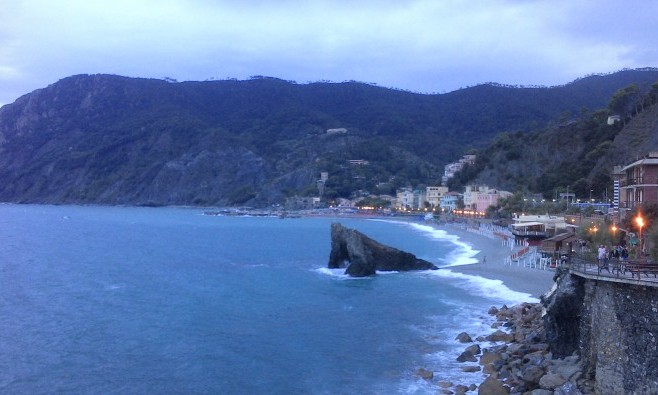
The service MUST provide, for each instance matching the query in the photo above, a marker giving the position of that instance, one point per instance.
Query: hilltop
(108, 139)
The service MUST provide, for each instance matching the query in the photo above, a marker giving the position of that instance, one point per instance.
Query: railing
(629, 205)
(625, 270)
(529, 233)
(629, 182)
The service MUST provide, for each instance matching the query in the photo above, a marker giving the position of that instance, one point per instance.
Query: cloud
(420, 45)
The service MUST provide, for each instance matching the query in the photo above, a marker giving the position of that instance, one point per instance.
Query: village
(584, 225)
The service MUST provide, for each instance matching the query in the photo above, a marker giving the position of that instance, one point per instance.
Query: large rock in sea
(363, 256)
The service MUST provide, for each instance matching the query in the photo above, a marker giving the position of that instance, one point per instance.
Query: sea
(124, 300)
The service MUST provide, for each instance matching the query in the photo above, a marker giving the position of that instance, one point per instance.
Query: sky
(426, 46)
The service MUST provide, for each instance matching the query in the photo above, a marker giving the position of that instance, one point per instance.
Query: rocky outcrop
(564, 305)
(517, 359)
(363, 256)
(613, 328)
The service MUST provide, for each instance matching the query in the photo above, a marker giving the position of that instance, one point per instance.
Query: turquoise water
(167, 300)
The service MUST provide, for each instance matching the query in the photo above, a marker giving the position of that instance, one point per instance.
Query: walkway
(629, 272)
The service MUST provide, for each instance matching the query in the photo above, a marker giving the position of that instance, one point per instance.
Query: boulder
(491, 386)
(425, 374)
(464, 338)
(489, 357)
(532, 375)
(362, 256)
(467, 356)
(551, 381)
(471, 369)
(500, 336)
(474, 349)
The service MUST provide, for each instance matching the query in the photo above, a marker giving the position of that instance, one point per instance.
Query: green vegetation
(115, 140)
(575, 155)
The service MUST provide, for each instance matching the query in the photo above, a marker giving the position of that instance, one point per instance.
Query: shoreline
(532, 281)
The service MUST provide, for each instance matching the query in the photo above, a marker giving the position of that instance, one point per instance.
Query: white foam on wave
(464, 253)
(489, 288)
(443, 348)
(340, 273)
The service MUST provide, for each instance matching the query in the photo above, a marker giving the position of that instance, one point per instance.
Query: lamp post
(614, 231)
(640, 223)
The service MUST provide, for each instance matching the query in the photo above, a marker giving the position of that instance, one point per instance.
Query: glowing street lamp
(614, 231)
(640, 223)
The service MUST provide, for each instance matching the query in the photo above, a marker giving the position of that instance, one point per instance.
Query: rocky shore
(516, 359)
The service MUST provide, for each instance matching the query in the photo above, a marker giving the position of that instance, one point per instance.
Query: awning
(524, 224)
(563, 237)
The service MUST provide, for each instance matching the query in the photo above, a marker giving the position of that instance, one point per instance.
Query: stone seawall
(614, 328)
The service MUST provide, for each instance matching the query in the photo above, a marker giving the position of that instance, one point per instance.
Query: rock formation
(564, 305)
(612, 326)
(362, 256)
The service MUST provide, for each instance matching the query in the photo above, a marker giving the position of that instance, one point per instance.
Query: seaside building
(636, 183)
(449, 201)
(480, 197)
(410, 199)
(538, 226)
(434, 195)
(489, 197)
(419, 199)
(404, 199)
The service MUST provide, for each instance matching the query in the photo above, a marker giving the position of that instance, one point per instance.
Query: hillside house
(612, 119)
(451, 168)
(359, 162)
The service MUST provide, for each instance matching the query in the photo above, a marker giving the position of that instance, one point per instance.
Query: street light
(640, 223)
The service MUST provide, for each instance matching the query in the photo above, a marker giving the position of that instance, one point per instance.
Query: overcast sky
(428, 46)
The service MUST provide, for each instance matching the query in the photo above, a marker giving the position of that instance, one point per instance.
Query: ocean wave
(464, 254)
(489, 288)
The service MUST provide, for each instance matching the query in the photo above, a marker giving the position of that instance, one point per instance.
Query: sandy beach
(532, 281)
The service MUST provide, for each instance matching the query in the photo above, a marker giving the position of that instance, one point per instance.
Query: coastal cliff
(363, 256)
(614, 328)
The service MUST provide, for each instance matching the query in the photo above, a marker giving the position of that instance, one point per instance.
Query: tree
(651, 238)
(626, 101)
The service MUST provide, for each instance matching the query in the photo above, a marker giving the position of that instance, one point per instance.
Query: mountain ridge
(109, 139)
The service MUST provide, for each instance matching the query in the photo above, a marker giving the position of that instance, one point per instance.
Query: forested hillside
(578, 154)
(116, 140)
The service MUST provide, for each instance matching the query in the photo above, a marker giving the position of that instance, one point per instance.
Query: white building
(404, 198)
(451, 168)
(449, 201)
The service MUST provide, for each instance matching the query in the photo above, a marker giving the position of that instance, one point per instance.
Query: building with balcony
(449, 201)
(490, 198)
(636, 183)
(433, 195)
